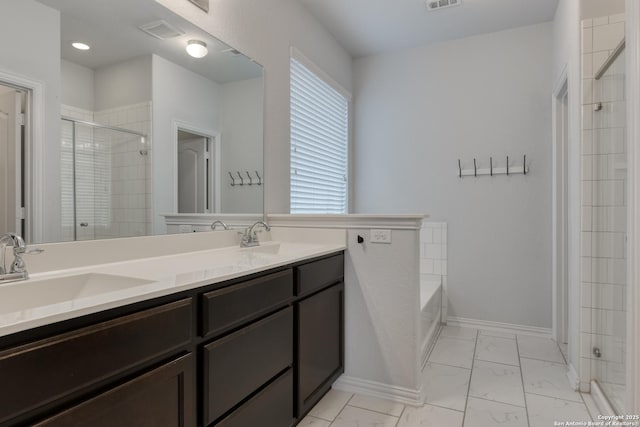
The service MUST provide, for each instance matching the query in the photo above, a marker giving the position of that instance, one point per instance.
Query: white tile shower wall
(603, 209)
(131, 183)
(433, 257)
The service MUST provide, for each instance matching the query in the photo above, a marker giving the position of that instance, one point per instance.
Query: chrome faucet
(18, 269)
(250, 237)
(217, 222)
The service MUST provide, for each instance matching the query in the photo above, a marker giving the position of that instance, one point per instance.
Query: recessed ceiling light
(197, 48)
(81, 46)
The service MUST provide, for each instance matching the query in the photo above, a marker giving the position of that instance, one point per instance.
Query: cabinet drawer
(237, 365)
(232, 306)
(160, 398)
(319, 274)
(49, 370)
(272, 407)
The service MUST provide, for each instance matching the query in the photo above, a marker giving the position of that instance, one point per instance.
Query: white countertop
(61, 295)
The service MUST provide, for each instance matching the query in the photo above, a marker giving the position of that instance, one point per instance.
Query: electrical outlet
(381, 236)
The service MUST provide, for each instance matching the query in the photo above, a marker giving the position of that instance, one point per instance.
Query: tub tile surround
(433, 258)
(603, 224)
(529, 393)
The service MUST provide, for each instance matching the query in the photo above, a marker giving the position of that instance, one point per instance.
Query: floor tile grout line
(401, 415)
(541, 360)
(526, 408)
(444, 407)
(500, 402)
(466, 402)
(498, 363)
(377, 412)
(341, 409)
(450, 366)
(557, 398)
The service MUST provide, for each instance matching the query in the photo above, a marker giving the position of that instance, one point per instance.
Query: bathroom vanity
(257, 349)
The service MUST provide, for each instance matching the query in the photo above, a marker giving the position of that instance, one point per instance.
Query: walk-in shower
(604, 212)
(105, 186)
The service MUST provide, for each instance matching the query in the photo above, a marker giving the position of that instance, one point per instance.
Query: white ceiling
(366, 27)
(110, 27)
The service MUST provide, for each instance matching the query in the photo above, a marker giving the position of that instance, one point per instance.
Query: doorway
(196, 172)
(13, 103)
(560, 216)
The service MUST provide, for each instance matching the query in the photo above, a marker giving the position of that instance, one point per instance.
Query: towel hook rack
(491, 165)
(459, 169)
(507, 165)
(475, 167)
(233, 181)
(250, 178)
(241, 179)
(259, 178)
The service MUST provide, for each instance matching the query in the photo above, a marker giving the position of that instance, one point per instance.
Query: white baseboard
(500, 327)
(429, 342)
(601, 400)
(574, 379)
(380, 390)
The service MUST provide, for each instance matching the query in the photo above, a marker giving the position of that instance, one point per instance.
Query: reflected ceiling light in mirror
(81, 46)
(197, 48)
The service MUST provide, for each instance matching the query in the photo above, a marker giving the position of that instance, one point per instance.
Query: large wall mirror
(102, 139)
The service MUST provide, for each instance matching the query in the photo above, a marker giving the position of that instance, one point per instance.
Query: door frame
(214, 137)
(559, 209)
(33, 156)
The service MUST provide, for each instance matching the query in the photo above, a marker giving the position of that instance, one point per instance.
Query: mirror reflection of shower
(105, 178)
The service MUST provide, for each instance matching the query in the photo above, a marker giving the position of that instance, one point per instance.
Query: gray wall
(264, 30)
(178, 94)
(125, 83)
(18, 37)
(417, 112)
(595, 8)
(78, 86)
(241, 150)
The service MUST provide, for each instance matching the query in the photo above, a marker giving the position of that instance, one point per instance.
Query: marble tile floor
(474, 378)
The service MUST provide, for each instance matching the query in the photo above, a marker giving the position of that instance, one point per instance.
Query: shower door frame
(633, 194)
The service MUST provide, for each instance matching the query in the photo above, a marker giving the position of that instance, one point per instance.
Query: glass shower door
(608, 245)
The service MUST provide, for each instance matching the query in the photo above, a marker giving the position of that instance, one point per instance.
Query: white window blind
(319, 144)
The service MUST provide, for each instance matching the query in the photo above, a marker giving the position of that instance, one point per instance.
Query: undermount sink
(20, 296)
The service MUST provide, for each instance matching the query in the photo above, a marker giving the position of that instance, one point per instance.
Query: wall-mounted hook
(250, 179)
(507, 165)
(491, 165)
(475, 168)
(524, 165)
(241, 180)
(459, 169)
(259, 178)
(233, 181)
(360, 239)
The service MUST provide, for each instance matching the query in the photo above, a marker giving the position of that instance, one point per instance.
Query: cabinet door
(163, 397)
(320, 345)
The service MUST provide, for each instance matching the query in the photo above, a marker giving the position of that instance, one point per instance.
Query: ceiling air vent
(161, 30)
(442, 4)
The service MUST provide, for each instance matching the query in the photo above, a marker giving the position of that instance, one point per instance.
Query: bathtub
(430, 314)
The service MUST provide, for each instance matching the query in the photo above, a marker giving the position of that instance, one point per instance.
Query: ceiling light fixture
(197, 48)
(81, 46)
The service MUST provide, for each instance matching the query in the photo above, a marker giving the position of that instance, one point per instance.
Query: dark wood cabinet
(320, 345)
(163, 397)
(258, 351)
(58, 368)
(239, 364)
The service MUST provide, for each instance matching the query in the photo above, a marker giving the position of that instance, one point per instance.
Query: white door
(10, 162)
(192, 175)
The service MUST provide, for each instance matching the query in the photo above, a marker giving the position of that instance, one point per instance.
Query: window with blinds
(319, 144)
